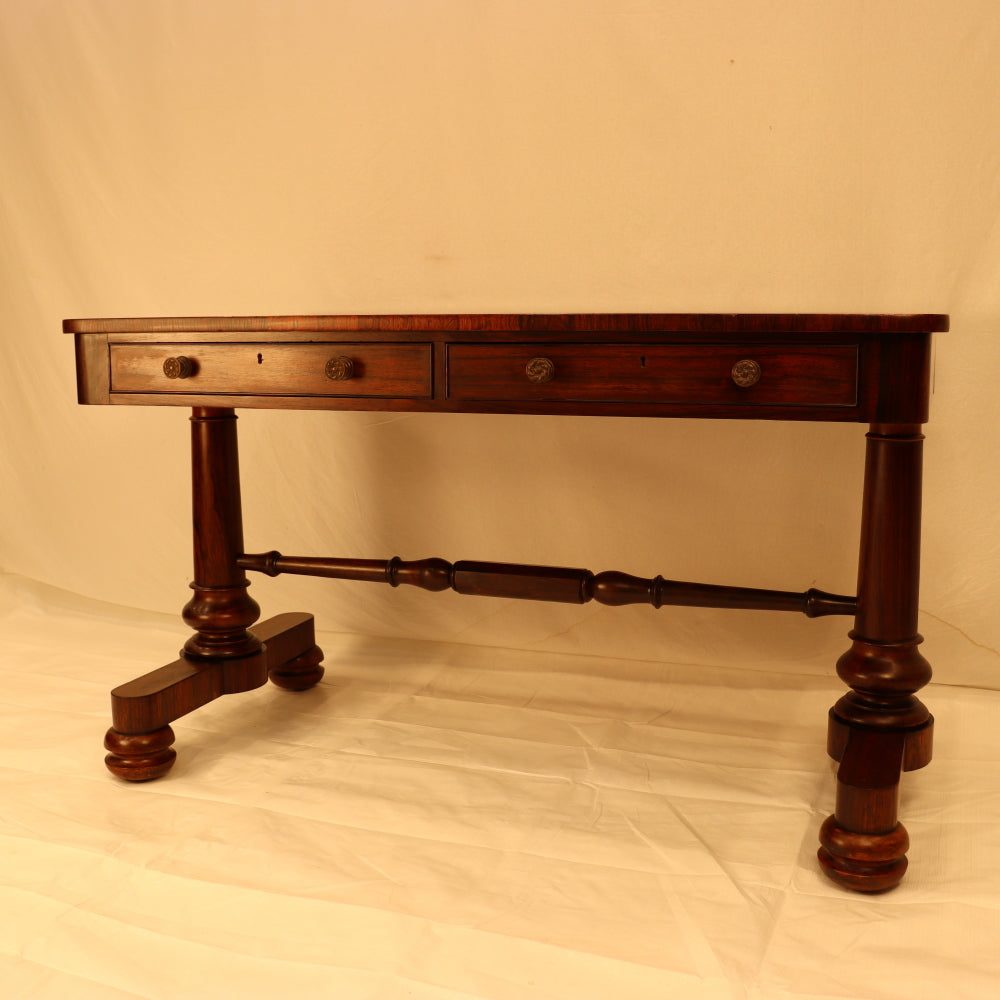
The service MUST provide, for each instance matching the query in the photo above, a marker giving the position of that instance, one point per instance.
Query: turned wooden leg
(220, 611)
(227, 654)
(222, 656)
(880, 729)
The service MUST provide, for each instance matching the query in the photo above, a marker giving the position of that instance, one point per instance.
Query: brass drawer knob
(746, 373)
(179, 367)
(340, 369)
(540, 370)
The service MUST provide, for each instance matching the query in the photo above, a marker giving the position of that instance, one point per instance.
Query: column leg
(221, 611)
(880, 728)
(227, 653)
(223, 656)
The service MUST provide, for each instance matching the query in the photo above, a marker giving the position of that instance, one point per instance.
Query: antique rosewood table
(868, 369)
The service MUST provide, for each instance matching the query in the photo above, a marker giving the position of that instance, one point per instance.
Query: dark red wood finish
(815, 367)
(865, 368)
(549, 583)
(546, 323)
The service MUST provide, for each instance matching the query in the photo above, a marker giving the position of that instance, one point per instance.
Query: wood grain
(548, 583)
(395, 370)
(549, 322)
(831, 367)
(794, 375)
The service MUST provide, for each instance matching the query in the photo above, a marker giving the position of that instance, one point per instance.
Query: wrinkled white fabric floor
(442, 821)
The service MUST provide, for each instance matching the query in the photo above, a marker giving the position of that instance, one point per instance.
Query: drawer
(329, 369)
(784, 375)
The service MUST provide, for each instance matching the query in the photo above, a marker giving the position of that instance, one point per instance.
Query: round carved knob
(179, 367)
(340, 369)
(540, 370)
(746, 373)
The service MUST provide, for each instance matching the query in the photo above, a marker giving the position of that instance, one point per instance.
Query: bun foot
(300, 673)
(864, 862)
(140, 756)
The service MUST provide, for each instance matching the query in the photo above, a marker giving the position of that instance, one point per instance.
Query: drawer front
(792, 375)
(355, 370)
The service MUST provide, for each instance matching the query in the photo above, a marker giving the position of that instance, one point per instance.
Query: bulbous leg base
(140, 756)
(300, 673)
(864, 862)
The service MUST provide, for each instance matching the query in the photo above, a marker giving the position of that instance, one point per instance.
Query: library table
(871, 369)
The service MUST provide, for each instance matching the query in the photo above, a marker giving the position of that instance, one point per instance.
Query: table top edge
(892, 323)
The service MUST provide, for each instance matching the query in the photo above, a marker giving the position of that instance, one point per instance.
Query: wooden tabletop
(564, 323)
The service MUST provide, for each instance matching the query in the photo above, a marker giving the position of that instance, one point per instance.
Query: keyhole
(260, 359)
(642, 361)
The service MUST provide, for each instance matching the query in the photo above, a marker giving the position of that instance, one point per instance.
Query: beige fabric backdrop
(466, 821)
(188, 158)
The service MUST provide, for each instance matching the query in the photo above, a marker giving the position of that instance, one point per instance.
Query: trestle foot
(140, 738)
(301, 673)
(140, 756)
(865, 862)
(863, 845)
(291, 652)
